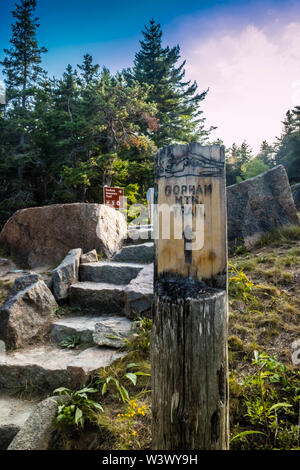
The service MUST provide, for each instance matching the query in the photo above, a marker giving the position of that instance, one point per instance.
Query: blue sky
(227, 45)
(110, 30)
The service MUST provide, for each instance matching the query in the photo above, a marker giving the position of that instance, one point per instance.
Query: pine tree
(89, 71)
(123, 112)
(289, 122)
(177, 100)
(296, 118)
(236, 162)
(288, 145)
(267, 154)
(23, 72)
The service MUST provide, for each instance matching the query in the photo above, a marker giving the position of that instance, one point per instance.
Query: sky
(246, 52)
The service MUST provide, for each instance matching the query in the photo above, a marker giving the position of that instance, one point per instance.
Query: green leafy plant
(270, 400)
(58, 312)
(77, 408)
(110, 380)
(71, 342)
(241, 435)
(139, 341)
(240, 285)
(238, 247)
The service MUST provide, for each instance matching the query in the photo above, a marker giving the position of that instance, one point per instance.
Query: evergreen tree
(288, 145)
(23, 72)
(289, 123)
(66, 99)
(177, 100)
(124, 113)
(237, 159)
(89, 71)
(296, 118)
(61, 140)
(96, 131)
(267, 154)
(245, 154)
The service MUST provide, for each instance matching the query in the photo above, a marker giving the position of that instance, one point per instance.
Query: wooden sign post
(189, 338)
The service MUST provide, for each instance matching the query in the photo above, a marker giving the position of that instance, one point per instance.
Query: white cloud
(254, 78)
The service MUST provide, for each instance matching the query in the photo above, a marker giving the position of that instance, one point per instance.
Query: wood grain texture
(189, 337)
(190, 185)
(189, 373)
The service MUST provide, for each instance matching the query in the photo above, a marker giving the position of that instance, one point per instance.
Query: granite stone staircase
(102, 285)
(97, 299)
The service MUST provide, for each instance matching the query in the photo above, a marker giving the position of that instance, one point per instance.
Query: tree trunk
(189, 371)
(22, 136)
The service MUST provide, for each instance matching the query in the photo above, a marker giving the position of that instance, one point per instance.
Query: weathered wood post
(189, 338)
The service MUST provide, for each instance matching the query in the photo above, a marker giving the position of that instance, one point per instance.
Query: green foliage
(59, 312)
(270, 400)
(178, 113)
(71, 342)
(237, 158)
(288, 145)
(122, 385)
(21, 64)
(116, 381)
(281, 235)
(77, 407)
(67, 309)
(23, 74)
(267, 154)
(61, 140)
(265, 401)
(139, 342)
(239, 286)
(253, 168)
(89, 71)
(119, 376)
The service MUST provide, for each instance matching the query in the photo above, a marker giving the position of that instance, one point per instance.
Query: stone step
(139, 294)
(82, 326)
(42, 369)
(85, 326)
(109, 272)
(98, 298)
(143, 254)
(13, 414)
(113, 331)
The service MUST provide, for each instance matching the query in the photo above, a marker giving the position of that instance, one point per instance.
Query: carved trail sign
(189, 338)
(190, 175)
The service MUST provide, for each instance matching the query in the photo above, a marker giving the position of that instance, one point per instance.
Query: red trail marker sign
(113, 197)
